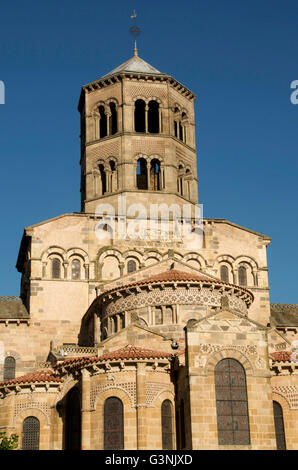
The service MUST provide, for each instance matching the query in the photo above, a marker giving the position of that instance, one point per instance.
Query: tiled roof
(12, 307)
(128, 352)
(284, 314)
(284, 356)
(37, 376)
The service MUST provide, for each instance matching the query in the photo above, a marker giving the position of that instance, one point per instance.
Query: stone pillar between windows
(85, 412)
(159, 119)
(108, 123)
(142, 425)
(146, 118)
(96, 329)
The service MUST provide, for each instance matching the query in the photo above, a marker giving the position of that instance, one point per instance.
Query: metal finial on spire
(135, 31)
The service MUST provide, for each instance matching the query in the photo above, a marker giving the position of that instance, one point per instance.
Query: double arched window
(231, 403)
(107, 115)
(167, 425)
(9, 368)
(149, 175)
(30, 435)
(180, 124)
(147, 117)
(113, 424)
(106, 178)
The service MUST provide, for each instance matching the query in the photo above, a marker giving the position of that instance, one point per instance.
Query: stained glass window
(113, 424)
(31, 428)
(9, 368)
(167, 425)
(231, 403)
(279, 426)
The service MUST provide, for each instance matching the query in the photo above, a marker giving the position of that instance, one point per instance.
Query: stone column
(146, 118)
(160, 119)
(85, 412)
(142, 427)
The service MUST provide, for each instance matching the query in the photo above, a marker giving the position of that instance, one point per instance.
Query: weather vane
(135, 31)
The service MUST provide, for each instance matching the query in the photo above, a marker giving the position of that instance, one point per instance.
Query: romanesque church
(144, 343)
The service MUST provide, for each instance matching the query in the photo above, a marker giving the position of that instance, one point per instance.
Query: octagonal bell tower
(137, 138)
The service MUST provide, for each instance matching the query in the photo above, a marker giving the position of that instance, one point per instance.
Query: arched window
(122, 320)
(279, 426)
(103, 180)
(155, 175)
(102, 122)
(75, 269)
(56, 268)
(142, 178)
(158, 316)
(153, 117)
(242, 274)
(113, 185)
(31, 430)
(9, 368)
(131, 266)
(73, 420)
(113, 119)
(224, 273)
(113, 424)
(181, 171)
(140, 122)
(231, 403)
(167, 425)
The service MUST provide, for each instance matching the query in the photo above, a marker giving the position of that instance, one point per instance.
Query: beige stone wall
(209, 341)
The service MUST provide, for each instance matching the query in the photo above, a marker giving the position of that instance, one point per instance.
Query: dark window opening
(9, 368)
(279, 426)
(113, 424)
(175, 128)
(142, 179)
(153, 117)
(56, 268)
(103, 179)
(113, 119)
(102, 122)
(180, 131)
(73, 420)
(131, 266)
(31, 430)
(167, 425)
(231, 403)
(242, 273)
(140, 125)
(155, 175)
(224, 273)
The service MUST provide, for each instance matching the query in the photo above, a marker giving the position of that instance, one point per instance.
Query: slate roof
(135, 64)
(12, 307)
(284, 314)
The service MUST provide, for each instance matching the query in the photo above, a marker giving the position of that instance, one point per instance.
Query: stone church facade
(122, 343)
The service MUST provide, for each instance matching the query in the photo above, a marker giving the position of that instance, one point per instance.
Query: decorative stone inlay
(19, 407)
(250, 350)
(181, 295)
(289, 392)
(152, 390)
(128, 387)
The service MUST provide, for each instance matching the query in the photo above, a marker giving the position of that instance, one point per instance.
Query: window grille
(31, 430)
(242, 273)
(131, 266)
(9, 368)
(75, 269)
(231, 403)
(113, 424)
(224, 273)
(167, 425)
(56, 268)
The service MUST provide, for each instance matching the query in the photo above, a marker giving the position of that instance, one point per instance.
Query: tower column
(146, 118)
(85, 413)
(142, 427)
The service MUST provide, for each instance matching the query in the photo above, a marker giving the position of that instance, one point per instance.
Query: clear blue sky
(238, 57)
